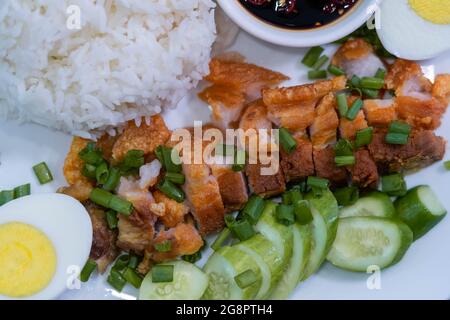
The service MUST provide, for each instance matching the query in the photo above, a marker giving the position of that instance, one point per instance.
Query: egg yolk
(436, 11)
(27, 260)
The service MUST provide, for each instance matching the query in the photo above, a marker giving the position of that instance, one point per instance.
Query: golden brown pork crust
(326, 122)
(174, 212)
(441, 88)
(353, 49)
(265, 186)
(233, 189)
(365, 171)
(325, 166)
(299, 164)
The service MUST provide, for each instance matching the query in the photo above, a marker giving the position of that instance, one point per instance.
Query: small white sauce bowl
(336, 30)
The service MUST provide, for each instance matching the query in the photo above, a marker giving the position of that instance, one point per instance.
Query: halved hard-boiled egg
(415, 29)
(43, 238)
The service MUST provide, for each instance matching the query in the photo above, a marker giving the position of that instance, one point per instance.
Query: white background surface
(424, 272)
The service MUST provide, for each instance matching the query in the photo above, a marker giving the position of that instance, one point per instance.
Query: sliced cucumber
(222, 267)
(366, 241)
(375, 204)
(420, 209)
(189, 283)
(297, 265)
(325, 212)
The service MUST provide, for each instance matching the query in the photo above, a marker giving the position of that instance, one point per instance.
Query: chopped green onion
(132, 277)
(177, 178)
(372, 83)
(239, 160)
(89, 171)
(287, 141)
(111, 219)
(168, 155)
(134, 261)
(343, 148)
(242, 229)
(246, 279)
(342, 161)
(164, 246)
(87, 270)
(91, 154)
(446, 166)
(397, 138)
(6, 196)
(225, 150)
(238, 167)
(342, 103)
(364, 137)
(121, 263)
(285, 214)
(162, 273)
(355, 81)
(116, 280)
(295, 195)
(394, 185)
(22, 191)
(134, 159)
(346, 196)
(102, 173)
(110, 201)
(43, 173)
(354, 109)
(113, 179)
(317, 182)
(317, 192)
(381, 74)
(120, 205)
(253, 209)
(193, 258)
(370, 93)
(312, 56)
(317, 74)
(320, 62)
(335, 70)
(286, 198)
(159, 154)
(171, 190)
(223, 236)
(400, 127)
(101, 197)
(303, 213)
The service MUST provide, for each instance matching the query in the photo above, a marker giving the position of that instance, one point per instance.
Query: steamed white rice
(131, 58)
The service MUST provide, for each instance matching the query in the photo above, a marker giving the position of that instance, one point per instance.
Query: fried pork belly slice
(364, 172)
(349, 128)
(441, 88)
(424, 114)
(247, 78)
(142, 199)
(380, 113)
(203, 195)
(145, 137)
(106, 144)
(423, 149)
(326, 167)
(73, 165)
(357, 57)
(299, 164)
(226, 103)
(184, 239)
(103, 248)
(294, 107)
(80, 190)
(173, 212)
(265, 186)
(136, 232)
(326, 122)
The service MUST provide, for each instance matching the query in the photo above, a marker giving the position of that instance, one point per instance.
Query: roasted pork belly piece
(326, 167)
(136, 232)
(103, 248)
(407, 79)
(294, 107)
(141, 198)
(171, 212)
(380, 113)
(349, 128)
(299, 164)
(423, 149)
(326, 122)
(364, 172)
(265, 186)
(357, 57)
(146, 137)
(441, 88)
(424, 114)
(106, 144)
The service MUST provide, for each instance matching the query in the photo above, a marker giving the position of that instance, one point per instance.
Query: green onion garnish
(303, 213)
(317, 74)
(354, 109)
(171, 190)
(355, 81)
(102, 173)
(312, 56)
(116, 280)
(121, 262)
(110, 201)
(6, 196)
(113, 179)
(287, 141)
(134, 159)
(342, 103)
(285, 214)
(87, 270)
(242, 229)
(372, 83)
(89, 171)
(177, 178)
(43, 173)
(286, 198)
(295, 195)
(343, 148)
(132, 277)
(346, 196)
(169, 159)
(334, 70)
(394, 185)
(342, 161)
(380, 74)
(364, 137)
(397, 138)
(162, 273)
(446, 166)
(111, 219)
(22, 191)
(317, 182)
(133, 262)
(239, 160)
(320, 62)
(246, 279)
(253, 209)
(370, 93)
(120, 205)
(164, 246)
(101, 197)
(400, 127)
(223, 236)
(225, 150)
(91, 154)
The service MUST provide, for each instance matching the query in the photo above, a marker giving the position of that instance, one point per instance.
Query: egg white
(68, 226)
(407, 35)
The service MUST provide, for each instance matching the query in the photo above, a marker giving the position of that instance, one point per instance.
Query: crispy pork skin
(299, 164)
(265, 185)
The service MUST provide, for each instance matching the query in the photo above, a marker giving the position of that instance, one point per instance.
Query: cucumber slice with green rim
(420, 209)
(222, 267)
(189, 283)
(325, 212)
(366, 241)
(297, 265)
(375, 204)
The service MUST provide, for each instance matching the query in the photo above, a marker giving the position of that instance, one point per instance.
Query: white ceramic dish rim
(299, 38)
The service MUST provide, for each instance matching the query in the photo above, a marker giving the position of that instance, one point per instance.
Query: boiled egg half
(44, 240)
(415, 29)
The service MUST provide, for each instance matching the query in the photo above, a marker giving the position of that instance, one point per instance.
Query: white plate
(422, 274)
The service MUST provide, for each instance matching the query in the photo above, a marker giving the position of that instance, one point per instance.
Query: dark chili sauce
(299, 14)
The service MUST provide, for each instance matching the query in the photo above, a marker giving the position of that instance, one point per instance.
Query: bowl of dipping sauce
(299, 23)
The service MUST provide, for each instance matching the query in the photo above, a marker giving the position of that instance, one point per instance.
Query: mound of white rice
(130, 58)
